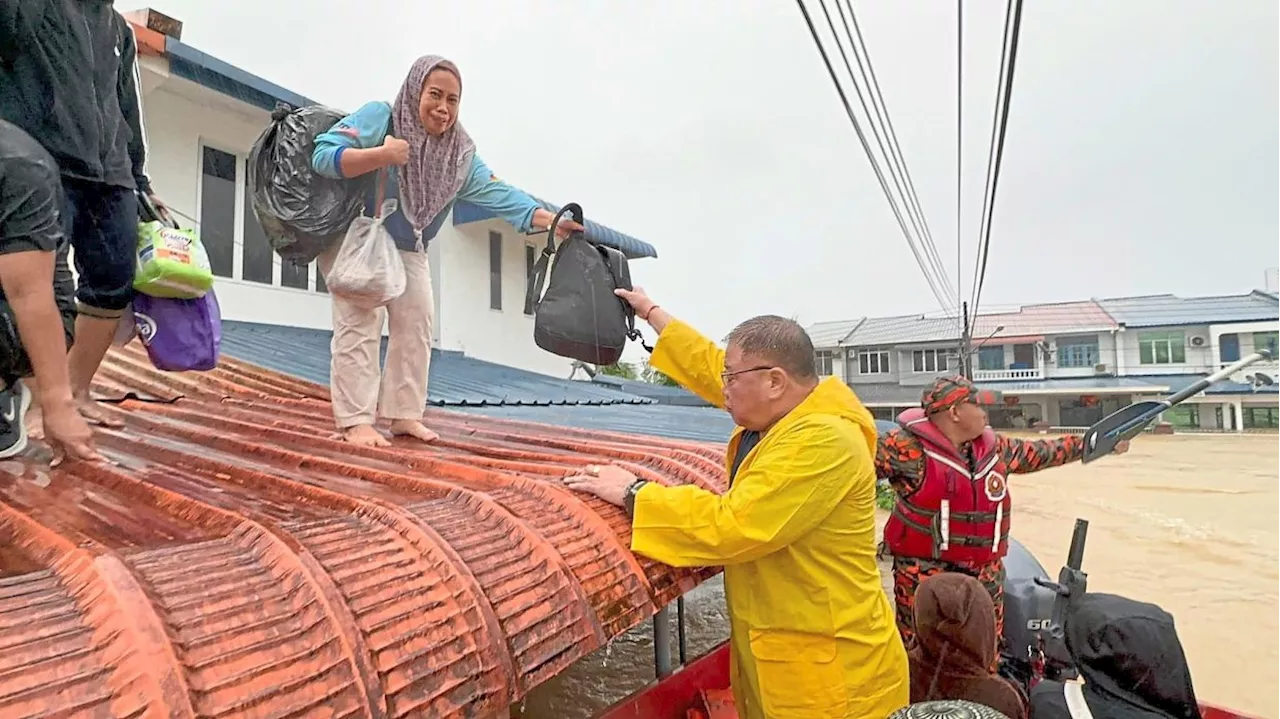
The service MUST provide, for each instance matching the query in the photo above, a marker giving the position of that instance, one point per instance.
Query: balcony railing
(991, 375)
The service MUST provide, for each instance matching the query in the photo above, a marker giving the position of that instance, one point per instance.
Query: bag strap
(538, 275)
(150, 213)
(628, 311)
(1076, 705)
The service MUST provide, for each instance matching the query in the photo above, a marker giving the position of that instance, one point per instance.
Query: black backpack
(579, 316)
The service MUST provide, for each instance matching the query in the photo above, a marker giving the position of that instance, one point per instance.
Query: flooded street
(1188, 522)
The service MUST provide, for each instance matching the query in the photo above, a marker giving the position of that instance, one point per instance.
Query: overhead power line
(959, 138)
(898, 166)
(935, 283)
(995, 154)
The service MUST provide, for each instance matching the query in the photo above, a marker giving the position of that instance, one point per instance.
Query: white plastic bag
(367, 270)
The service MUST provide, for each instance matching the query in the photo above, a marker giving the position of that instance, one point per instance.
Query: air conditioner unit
(1099, 369)
(1198, 341)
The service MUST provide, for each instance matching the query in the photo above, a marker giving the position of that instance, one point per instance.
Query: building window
(320, 285)
(530, 259)
(1261, 417)
(1266, 341)
(991, 358)
(822, 362)
(1078, 351)
(495, 270)
(218, 209)
(1162, 347)
(256, 258)
(1229, 347)
(1185, 416)
(929, 360)
(873, 362)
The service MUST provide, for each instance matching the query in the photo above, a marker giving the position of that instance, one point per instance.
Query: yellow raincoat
(813, 633)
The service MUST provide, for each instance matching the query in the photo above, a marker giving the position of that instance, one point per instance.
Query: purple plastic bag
(180, 335)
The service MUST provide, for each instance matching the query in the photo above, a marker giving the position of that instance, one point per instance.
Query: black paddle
(1129, 422)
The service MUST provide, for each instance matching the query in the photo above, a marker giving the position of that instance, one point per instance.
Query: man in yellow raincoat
(813, 633)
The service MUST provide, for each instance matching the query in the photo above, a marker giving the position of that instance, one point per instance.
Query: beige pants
(360, 392)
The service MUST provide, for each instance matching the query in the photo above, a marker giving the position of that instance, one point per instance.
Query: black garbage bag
(301, 212)
(579, 316)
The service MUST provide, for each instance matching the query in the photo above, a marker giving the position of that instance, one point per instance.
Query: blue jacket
(368, 127)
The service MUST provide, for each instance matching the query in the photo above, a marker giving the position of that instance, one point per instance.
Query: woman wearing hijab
(955, 646)
(430, 162)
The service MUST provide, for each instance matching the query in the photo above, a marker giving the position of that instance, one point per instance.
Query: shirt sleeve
(30, 201)
(795, 484)
(483, 189)
(129, 93)
(1022, 456)
(362, 129)
(900, 461)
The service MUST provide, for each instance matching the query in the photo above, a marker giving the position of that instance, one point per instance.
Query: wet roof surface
(234, 560)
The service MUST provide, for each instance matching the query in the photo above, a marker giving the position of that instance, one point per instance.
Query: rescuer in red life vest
(949, 471)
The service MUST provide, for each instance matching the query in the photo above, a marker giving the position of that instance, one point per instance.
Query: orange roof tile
(234, 559)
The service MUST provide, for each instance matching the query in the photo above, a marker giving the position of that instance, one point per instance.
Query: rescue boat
(700, 688)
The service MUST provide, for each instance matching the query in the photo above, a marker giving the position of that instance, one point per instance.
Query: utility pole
(966, 344)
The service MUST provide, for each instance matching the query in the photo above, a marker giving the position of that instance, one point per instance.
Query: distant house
(1069, 364)
(202, 116)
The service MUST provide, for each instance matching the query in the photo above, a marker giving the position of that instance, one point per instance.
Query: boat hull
(699, 690)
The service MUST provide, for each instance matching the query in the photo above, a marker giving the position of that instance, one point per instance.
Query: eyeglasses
(725, 377)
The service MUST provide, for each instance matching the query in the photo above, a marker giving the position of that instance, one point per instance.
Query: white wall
(1106, 356)
(467, 322)
(1199, 360)
(181, 117)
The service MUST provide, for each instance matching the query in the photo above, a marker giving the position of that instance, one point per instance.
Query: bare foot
(413, 428)
(365, 436)
(93, 414)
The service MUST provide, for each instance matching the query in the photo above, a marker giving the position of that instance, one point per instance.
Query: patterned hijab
(437, 166)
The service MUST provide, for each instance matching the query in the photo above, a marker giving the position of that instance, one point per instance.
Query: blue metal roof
(455, 380)
(204, 69)
(696, 424)
(1170, 310)
(1177, 382)
(465, 212)
(662, 394)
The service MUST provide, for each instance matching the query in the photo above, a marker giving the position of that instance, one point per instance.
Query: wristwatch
(629, 497)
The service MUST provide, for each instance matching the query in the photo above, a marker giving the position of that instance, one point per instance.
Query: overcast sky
(1141, 154)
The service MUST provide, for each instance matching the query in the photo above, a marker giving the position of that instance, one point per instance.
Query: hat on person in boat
(951, 390)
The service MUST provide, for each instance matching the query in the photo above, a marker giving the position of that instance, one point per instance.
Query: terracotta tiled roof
(234, 560)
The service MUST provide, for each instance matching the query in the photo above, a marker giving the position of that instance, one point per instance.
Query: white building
(203, 115)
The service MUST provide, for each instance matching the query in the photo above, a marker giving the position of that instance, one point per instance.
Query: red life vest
(955, 515)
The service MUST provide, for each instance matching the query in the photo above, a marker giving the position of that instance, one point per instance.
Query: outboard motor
(1033, 647)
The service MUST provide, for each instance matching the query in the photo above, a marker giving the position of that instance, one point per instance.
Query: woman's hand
(542, 222)
(394, 151)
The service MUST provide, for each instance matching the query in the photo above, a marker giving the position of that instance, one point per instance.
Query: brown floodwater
(1187, 522)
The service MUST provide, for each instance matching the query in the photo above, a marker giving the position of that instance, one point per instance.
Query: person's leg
(404, 386)
(102, 223)
(353, 367)
(907, 575)
(992, 577)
